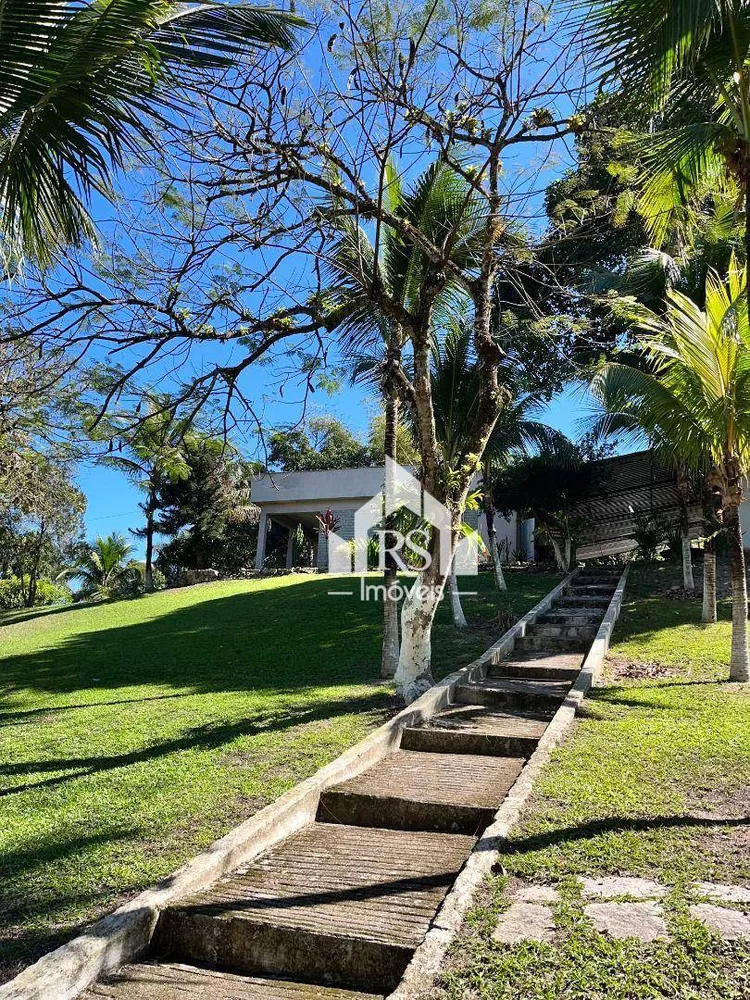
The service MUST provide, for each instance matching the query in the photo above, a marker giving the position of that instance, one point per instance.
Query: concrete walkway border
(425, 965)
(125, 934)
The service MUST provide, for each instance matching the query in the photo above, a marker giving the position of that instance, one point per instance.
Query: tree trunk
(34, 568)
(739, 668)
(709, 581)
(688, 582)
(459, 618)
(390, 648)
(559, 558)
(568, 554)
(489, 516)
(149, 571)
(414, 676)
(389, 656)
(683, 497)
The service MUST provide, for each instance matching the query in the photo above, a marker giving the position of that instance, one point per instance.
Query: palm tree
(695, 389)
(703, 235)
(676, 56)
(624, 414)
(82, 84)
(516, 433)
(150, 450)
(550, 487)
(373, 341)
(105, 569)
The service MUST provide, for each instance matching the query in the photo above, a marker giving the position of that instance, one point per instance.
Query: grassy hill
(134, 733)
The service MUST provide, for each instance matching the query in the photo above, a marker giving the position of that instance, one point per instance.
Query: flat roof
(325, 484)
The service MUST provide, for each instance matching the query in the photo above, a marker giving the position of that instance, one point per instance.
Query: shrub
(12, 590)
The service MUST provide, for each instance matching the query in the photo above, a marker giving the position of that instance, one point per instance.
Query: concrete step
(549, 644)
(474, 729)
(171, 981)
(336, 904)
(589, 590)
(610, 572)
(414, 790)
(555, 667)
(586, 579)
(552, 630)
(581, 601)
(571, 616)
(513, 693)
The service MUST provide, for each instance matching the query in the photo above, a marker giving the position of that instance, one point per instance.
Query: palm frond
(676, 162)
(648, 43)
(82, 83)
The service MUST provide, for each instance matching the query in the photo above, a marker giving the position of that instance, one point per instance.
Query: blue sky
(113, 500)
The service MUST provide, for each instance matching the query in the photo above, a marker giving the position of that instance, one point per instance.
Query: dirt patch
(728, 842)
(622, 669)
(729, 850)
(680, 594)
(718, 803)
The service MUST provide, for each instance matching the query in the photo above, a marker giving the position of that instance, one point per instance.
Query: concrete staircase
(336, 911)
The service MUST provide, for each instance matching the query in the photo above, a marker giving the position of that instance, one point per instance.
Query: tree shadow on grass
(283, 639)
(31, 614)
(21, 944)
(206, 737)
(618, 824)
(646, 617)
(30, 714)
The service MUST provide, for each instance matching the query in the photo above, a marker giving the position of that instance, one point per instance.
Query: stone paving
(626, 907)
(643, 920)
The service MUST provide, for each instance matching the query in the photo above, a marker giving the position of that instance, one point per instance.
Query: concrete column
(529, 546)
(322, 552)
(290, 548)
(260, 554)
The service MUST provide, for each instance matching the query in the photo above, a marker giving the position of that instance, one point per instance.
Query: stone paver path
(642, 920)
(725, 893)
(537, 894)
(731, 924)
(525, 920)
(612, 886)
(626, 907)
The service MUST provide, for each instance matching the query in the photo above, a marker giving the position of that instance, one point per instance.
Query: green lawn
(655, 781)
(135, 733)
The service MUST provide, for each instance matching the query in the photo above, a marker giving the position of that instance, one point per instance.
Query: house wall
(287, 495)
(506, 531)
(327, 486)
(345, 530)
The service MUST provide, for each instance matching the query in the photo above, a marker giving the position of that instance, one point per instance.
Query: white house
(293, 499)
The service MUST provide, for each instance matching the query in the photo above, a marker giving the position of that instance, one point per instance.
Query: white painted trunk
(459, 618)
(688, 582)
(709, 584)
(497, 565)
(568, 554)
(559, 559)
(413, 676)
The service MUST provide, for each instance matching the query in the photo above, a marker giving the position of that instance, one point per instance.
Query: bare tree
(291, 154)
